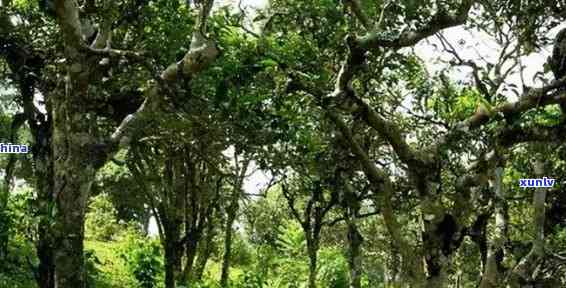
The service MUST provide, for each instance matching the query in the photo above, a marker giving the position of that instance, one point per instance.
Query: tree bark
(73, 175)
(74, 170)
(204, 255)
(44, 180)
(491, 274)
(192, 246)
(232, 210)
(75, 153)
(312, 251)
(45, 234)
(205, 250)
(172, 255)
(43, 159)
(46, 259)
(354, 256)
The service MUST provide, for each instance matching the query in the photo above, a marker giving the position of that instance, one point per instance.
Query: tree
(240, 171)
(389, 132)
(73, 125)
(316, 207)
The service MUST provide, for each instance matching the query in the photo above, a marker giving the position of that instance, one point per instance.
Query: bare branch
(448, 47)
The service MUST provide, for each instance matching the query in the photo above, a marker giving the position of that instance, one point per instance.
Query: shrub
(249, 280)
(101, 223)
(333, 268)
(143, 260)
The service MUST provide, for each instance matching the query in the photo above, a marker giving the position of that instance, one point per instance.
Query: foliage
(250, 280)
(16, 266)
(91, 268)
(112, 269)
(333, 268)
(16, 269)
(101, 223)
(143, 259)
(323, 96)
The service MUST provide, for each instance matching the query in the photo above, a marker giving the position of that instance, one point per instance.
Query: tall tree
(241, 166)
(78, 153)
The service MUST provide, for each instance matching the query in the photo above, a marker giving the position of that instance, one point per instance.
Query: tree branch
(524, 269)
(381, 183)
(202, 52)
(365, 215)
(359, 13)
(68, 17)
(390, 132)
(440, 21)
(533, 98)
(291, 203)
(356, 57)
(515, 135)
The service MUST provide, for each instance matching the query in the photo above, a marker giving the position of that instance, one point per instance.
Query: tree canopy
(351, 143)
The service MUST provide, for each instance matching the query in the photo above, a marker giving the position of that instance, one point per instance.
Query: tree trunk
(202, 259)
(170, 263)
(354, 256)
(491, 276)
(45, 255)
(75, 164)
(69, 219)
(441, 235)
(172, 255)
(205, 250)
(312, 252)
(46, 262)
(76, 153)
(228, 243)
(72, 185)
(192, 246)
(44, 174)
(172, 216)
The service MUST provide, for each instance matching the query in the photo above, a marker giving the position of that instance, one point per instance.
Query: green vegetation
(299, 144)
